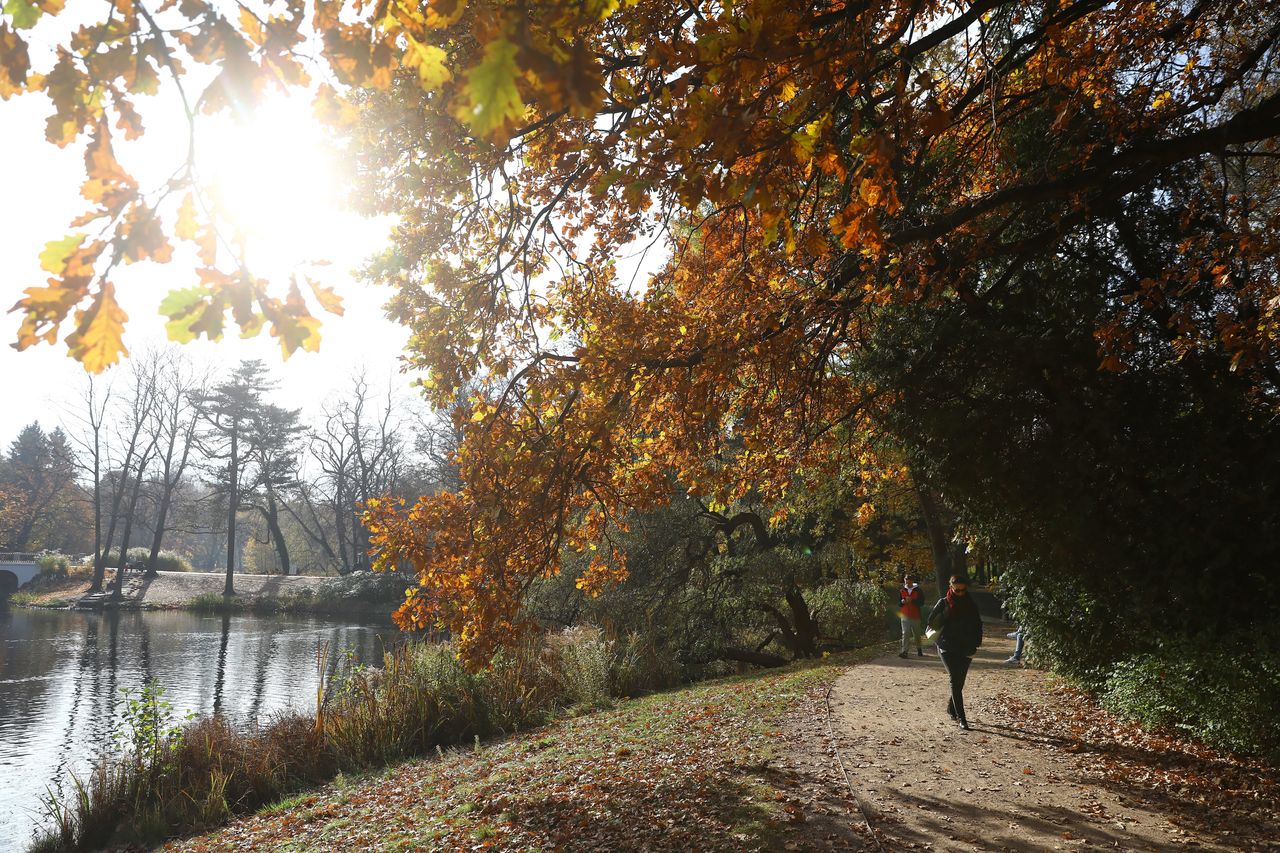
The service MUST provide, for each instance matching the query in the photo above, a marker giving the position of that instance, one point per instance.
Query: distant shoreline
(360, 594)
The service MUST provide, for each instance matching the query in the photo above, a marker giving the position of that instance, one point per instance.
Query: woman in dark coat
(959, 634)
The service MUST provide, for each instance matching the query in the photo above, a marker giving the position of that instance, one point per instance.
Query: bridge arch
(16, 570)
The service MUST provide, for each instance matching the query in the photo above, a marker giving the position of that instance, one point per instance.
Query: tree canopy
(819, 173)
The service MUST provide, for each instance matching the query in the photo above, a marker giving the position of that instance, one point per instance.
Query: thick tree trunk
(272, 515)
(806, 629)
(128, 529)
(799, 633)
(339, 522)
(939, 538)
(159, 534)
(111, 530)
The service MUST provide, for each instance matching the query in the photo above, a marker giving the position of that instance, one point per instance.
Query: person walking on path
(1019, 636)
(910, 597)
(959, 627)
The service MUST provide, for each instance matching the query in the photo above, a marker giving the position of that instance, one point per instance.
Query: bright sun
(278, 180)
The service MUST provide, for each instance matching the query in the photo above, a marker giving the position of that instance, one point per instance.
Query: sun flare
(279, 181)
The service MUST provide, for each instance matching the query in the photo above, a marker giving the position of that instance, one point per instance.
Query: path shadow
(140, 594)
(1212, 773)
(933, 819)
(675, 812)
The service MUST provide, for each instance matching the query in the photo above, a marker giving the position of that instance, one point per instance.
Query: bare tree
(90, 416)
(360, 455)
(175, 427)
(139, 404)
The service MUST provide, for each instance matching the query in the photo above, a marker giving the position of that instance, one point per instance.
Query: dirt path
(174, 589)
(1012, 783)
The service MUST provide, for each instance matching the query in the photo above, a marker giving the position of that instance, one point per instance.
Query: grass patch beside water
(682, 769)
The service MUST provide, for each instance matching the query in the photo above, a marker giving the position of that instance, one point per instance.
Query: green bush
(53, 563)
(166, 561)
(851, 613)
(212, 602)
(1224, 692)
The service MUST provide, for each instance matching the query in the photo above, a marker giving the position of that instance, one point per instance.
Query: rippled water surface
(62, 673)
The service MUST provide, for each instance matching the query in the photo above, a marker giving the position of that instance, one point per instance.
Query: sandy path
(170, 589)
(926, 784)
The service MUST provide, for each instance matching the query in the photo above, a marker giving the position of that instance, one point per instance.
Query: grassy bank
(357, 596)
(173, 779)
(56, 589)
(676, 770)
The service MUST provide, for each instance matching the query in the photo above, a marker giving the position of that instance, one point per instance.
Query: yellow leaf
(870, 192)
(98, 341)
(252, 27)
(443, 13)
(187, 225)
(328, 300)
(429, 62)
(333, 109)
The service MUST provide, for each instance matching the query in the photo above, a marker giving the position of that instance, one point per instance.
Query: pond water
(62, 673)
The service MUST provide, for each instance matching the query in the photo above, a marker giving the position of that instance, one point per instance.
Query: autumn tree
(813, 171)
(37, 479)
(812, 191)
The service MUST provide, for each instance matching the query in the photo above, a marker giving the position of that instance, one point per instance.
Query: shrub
(166, 561)
(371, 587)
(639, 666)
(1224, 692)
(212, 602)
(583, 659)
(53, 563)
(850, 612)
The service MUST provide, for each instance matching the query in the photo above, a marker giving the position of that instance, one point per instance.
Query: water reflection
(61, 676)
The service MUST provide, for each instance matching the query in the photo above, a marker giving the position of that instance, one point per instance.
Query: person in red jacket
(910, 598)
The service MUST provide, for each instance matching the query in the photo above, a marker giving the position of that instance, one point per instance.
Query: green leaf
(56, 252)
(492, 98)
(179, 306)
(25, 13)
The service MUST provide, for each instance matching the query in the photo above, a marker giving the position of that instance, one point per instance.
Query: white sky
(287, 193)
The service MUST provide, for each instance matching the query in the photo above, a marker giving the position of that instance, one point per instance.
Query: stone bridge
(16, 570)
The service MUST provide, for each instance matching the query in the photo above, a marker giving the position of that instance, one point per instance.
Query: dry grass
(419, 701)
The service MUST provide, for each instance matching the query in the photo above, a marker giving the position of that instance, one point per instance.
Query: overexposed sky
(284, 185)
